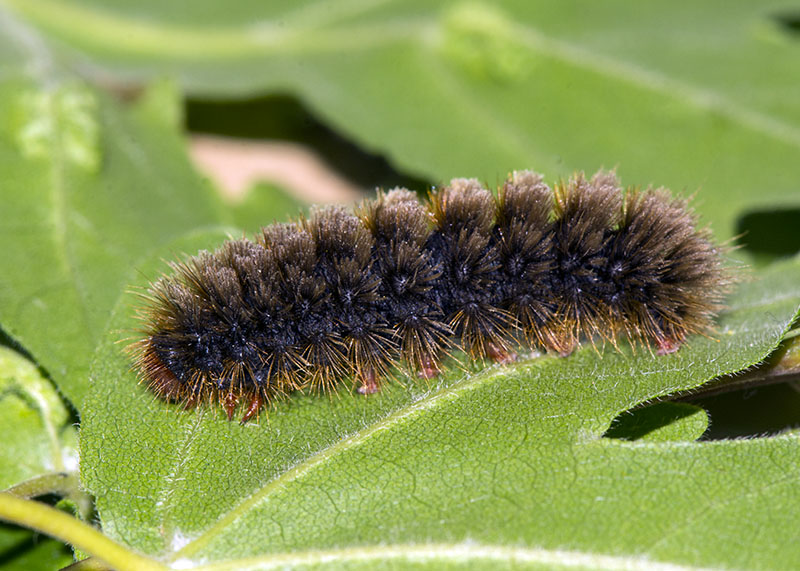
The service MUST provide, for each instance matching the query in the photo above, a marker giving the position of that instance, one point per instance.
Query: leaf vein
(355, 440)
(458, 553)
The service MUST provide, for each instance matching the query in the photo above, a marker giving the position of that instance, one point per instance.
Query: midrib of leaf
(39, 61)
(164, 504)
(459, 553)
(398, 417)
(41, 72)
(324, 12)
(117, 34)
(58, 195)
(657, 83)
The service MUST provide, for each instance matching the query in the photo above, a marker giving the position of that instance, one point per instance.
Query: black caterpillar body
(341, 295)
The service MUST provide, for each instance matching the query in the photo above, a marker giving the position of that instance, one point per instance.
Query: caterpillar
(397, 282)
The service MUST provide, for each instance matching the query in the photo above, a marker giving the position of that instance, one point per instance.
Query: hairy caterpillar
(341, 294)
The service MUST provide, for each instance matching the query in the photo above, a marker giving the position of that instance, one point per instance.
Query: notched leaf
(505, 452)
(770, 233)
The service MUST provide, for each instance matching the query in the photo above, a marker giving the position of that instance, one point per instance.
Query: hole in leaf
(760, 402)
(753, 412)
(662, 421)
(771, 234)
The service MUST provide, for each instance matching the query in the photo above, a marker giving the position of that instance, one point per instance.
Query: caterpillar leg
(666, 346)
(255, 404)
(499, 354)
(369, 382)
(429, 369)
(229, 402)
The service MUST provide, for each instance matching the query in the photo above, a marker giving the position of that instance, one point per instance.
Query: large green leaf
(86, 189)
(497, 463)
(685, 94)
(491, 468)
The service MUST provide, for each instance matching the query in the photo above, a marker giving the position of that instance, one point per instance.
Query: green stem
(63, 484)
(58, 483)
(89, 564)
(58, 524)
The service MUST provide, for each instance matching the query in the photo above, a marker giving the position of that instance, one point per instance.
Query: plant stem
(88, 564)
(58, 524)
(63, 484)
(58, 483)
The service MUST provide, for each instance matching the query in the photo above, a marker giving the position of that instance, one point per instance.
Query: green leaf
(87, 189)
(23, 550)
(249, 213)
(499, 463)
(492, 468)
(688, 95)
(41, 440)
(44, 439)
